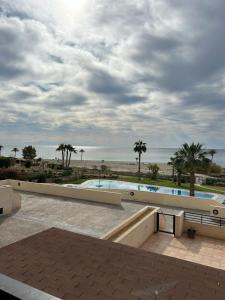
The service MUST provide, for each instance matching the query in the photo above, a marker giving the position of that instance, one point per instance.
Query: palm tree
(139, 147)
(179, 167)
(15, 150)
(67, 149)
(71, 150)
(212, 152)
(171, 163)
(1, 147)
(81, 153)
(193, 157)
(62, 149)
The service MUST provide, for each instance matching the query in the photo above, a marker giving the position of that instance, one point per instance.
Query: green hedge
(6, 162)
(215, 181)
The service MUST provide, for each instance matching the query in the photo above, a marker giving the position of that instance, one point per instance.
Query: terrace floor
(202, 250)
(39, 212)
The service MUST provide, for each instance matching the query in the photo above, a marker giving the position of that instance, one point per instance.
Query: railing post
(157, 221)
(201, 219)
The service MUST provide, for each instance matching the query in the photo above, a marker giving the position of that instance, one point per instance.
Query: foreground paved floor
(202, 250)
(39, 212)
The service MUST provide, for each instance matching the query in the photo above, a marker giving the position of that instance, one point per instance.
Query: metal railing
(204, 219)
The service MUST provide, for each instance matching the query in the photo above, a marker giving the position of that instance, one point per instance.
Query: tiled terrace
(39, 212)
(202, 250)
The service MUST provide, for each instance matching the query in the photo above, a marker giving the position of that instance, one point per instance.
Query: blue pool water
(114, 184)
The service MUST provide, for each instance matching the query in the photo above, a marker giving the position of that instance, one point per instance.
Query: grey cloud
(22, 95)
(112, 88)
(146, 47)
(56, 59)
(66, 100)
(205, 98)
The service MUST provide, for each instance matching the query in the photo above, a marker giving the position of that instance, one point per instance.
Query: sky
(100, 72)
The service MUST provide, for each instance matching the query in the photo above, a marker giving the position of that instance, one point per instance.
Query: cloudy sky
(100, 72)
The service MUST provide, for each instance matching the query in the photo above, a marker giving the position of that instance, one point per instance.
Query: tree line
(190, 158)
(30, 153)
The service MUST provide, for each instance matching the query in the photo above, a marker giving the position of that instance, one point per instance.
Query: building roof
(72, 266)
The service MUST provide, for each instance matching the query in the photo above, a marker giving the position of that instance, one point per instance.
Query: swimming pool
(114, 184)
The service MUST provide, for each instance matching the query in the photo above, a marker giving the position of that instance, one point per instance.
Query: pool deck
(39, 212)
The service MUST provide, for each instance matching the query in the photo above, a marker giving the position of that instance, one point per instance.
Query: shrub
(214, 181)
(67, 172)
(58, 180)
(8, 174)
(40, 177)
(5, 162)
(154, 168)
(28, 164)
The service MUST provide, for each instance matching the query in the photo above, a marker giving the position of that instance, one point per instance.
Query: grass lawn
(159, 182)
(214, 187)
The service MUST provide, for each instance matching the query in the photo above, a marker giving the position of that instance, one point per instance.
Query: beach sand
(120, 166)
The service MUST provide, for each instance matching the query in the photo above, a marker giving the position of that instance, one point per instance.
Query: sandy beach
(121, 166)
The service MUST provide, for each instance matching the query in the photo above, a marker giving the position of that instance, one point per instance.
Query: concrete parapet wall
(169, 200)
(135, 230)
(10, 200)
(58, 190)
(206, 230)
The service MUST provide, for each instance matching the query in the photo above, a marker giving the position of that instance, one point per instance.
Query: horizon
(99, 146)
(110, 74)
(109, 153)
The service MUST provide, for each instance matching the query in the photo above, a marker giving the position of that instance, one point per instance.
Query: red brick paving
(73, 266)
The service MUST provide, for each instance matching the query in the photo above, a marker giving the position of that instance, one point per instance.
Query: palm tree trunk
(173, 173)
(63, 158)
(178, 178)
(81, 156)
(192, 184)
(69, 158)
(139, 165)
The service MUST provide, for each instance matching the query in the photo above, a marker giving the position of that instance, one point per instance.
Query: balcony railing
(204, 219)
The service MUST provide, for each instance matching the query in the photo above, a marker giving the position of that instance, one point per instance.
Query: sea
(160, 155)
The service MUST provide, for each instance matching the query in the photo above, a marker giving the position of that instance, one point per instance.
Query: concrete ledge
(58, 190)
(166, 199)
(21, 290)
(169, 200)
(135, 230)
